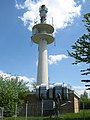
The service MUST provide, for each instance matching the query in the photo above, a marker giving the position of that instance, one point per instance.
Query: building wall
(76, 104)
(35, 105)
(68, 108)
(72, 107)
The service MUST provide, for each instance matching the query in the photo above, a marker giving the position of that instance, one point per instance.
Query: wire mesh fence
(28, 109)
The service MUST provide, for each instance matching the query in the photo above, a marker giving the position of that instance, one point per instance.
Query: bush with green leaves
(12, 92)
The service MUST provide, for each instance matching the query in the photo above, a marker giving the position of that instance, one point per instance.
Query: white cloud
(24, 78)
(53, 59)
(18, 6)
(4, 75)
(79, 89)
(62, 11)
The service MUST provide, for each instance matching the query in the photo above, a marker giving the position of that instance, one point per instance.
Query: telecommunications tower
(42, 34)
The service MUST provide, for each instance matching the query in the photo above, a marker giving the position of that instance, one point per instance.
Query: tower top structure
(43, 11)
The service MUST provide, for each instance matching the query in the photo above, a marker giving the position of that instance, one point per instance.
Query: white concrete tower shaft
(42, 35)
(42, 75)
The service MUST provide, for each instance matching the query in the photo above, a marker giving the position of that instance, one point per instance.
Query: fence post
(26, 110)
(83, 111)
(2, 112)
(42, 107)
(2, 109)
(15, 111)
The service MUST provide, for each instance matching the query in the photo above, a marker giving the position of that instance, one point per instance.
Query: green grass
(66, 116)
(77, 116)
(23, 118)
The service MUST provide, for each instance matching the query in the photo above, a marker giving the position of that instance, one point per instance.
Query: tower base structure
(39, 107)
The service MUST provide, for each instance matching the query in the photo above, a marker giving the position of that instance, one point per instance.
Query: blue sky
(18, 55)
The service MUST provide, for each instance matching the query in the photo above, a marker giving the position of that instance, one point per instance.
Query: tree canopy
(81, 48)
(34, 84)
(12, 91)
(84, 96)
(84, 101)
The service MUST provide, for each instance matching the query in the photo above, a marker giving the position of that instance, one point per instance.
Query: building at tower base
(35, 105)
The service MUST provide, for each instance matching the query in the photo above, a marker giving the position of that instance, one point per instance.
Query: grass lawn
(77, 116)
(66, 116)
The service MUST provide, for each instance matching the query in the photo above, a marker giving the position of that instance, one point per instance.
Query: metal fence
(28, 109)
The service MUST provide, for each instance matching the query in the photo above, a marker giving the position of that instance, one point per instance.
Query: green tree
(34, 84)
(84, 100)
(12, 91)
(82, 47)
(84, 96)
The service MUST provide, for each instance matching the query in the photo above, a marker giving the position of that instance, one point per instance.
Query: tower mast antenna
(43, 10)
